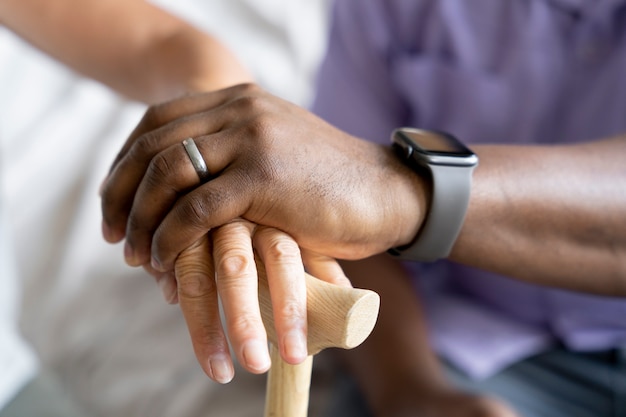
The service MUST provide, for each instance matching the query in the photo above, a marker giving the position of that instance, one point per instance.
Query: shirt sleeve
(354, 89)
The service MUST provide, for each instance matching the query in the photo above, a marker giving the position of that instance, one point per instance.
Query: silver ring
(197, 160)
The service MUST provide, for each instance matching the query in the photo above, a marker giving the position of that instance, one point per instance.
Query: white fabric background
(17, 361)
(102, 326)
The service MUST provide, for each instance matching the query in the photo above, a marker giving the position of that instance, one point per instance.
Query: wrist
(448, 165)
(412, 193)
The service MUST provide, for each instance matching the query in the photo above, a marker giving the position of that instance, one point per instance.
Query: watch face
(435, 147)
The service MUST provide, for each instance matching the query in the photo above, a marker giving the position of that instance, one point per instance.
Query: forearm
(552, 215)
(132, 46)
(186, 61)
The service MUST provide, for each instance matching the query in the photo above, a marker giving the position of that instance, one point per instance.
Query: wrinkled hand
(273, 163)
(224, 267)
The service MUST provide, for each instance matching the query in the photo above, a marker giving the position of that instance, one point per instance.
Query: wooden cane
(336, 317)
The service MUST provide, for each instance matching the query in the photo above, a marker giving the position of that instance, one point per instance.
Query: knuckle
(282, 249)
(160, 168)
(245, 324)
(142, 149)
(150, 142)
(291, 311)
(249, 104)
(156, 115)
(194, 211)
(234, 263)
(261, 126)
(247, 88)
(200, 286)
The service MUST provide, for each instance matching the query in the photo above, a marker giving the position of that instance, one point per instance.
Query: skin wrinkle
(196, 288)
(234, 262)
(231, 246)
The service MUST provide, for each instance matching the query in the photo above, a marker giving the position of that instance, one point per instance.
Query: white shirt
(17, 361)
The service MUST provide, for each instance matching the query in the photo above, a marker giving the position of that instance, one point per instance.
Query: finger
(325, 268)
(217, 202)
(197, 295)
(237, 283)
(169, 175)
(285, 276)
(166, 282)
(161, 114)
(119, 188)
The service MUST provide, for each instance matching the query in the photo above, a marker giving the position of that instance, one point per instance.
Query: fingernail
(106, 232)
(256, 356)
(109, 234)
(129, 254)
(156, 264)
(169, 289)
(221, 369)
(295, 346)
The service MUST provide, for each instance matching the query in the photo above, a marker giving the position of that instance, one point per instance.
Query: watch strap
(445, 217)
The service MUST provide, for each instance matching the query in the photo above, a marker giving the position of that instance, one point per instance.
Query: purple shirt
(487, 71)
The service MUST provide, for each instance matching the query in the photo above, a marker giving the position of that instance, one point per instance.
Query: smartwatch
(449, 165)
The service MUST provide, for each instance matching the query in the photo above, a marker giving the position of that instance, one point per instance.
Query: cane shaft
(287, 392)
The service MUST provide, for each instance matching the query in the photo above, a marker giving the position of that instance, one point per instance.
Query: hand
(224, 267)
(273, 163)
